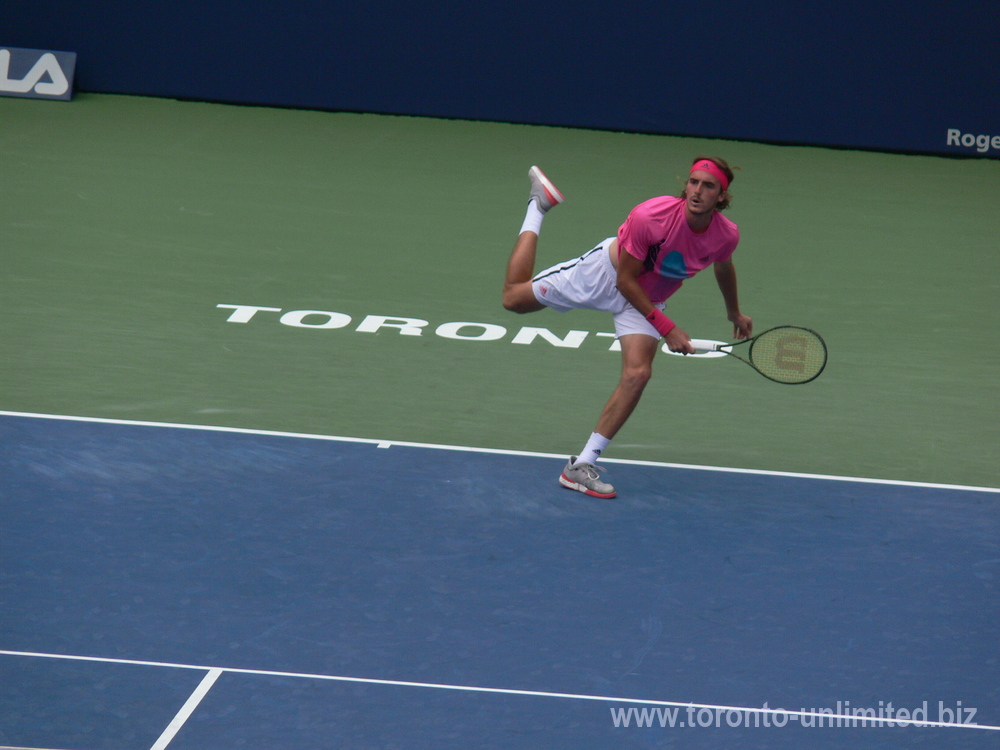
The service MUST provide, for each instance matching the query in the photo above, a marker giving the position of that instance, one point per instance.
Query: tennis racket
(786, 354)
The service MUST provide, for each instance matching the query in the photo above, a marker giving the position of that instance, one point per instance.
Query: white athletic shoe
(543, 191)
(584, 478)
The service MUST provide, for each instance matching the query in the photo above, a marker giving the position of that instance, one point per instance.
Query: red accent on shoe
(571, 485)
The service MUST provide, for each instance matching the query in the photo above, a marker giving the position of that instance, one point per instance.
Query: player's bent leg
(517, 293)
(520, 298)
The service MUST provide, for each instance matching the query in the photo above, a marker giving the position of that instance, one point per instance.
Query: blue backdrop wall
(917, 77)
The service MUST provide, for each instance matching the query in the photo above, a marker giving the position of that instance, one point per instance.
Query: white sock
(593, 449)
(533, 218)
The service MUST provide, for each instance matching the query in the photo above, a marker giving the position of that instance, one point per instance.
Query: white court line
(494, 451)
(478, 689)
(187, 709)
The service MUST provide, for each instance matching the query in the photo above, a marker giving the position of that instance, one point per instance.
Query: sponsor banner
(35, 73)
(981, 144)
(927, 83)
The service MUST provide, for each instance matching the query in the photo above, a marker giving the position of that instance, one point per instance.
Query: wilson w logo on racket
(791, 353)
(786, 354)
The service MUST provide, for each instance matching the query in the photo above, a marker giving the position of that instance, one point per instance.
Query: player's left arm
(725, 275)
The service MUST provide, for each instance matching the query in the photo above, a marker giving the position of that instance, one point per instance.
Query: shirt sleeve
(636, 235)
(727, 250)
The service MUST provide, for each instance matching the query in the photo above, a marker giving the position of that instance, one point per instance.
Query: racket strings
(789, 355)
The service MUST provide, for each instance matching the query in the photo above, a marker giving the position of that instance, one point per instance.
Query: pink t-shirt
(657, 232)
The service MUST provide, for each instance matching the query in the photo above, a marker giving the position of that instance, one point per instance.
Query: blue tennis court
(205, 588)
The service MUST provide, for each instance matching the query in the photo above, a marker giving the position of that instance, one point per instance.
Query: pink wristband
(661, 322)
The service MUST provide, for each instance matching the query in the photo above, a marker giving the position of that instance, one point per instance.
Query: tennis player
(663, 241)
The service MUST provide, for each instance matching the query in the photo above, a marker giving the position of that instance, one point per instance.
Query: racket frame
(706, 345)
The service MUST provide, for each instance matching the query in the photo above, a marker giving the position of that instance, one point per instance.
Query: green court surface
(127, 221)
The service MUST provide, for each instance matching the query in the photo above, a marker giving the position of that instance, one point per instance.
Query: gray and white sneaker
(543, 191)
(585, 478)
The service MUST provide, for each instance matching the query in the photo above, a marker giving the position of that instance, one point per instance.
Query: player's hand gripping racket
(786, 354)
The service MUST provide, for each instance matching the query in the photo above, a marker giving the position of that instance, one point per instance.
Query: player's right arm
(629, 269)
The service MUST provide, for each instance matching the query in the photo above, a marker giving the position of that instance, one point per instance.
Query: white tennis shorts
(590, 282)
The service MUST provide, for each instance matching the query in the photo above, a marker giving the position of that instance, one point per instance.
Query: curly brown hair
(722, 164)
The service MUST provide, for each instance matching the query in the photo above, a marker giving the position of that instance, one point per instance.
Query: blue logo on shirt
(673, 266)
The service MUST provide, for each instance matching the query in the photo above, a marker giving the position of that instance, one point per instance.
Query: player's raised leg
(517, 293)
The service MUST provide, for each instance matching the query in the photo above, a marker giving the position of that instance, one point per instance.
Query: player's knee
(510, 302)
(516, 300)
(635, 377)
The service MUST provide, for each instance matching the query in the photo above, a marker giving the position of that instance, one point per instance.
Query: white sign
(36, 73)
(326, 320)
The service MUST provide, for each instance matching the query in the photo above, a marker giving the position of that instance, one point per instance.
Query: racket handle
(704, 345)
